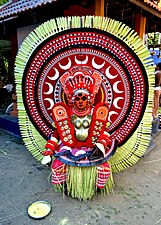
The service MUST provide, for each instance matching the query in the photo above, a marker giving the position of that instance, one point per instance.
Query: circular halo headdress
(108, 48)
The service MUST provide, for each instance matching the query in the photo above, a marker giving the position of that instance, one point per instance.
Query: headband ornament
(83, 80)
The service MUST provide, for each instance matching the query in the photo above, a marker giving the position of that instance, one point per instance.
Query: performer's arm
(103, 142)
(52, 143)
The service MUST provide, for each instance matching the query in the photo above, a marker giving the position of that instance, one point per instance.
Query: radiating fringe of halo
(134, 148)
(32, 139)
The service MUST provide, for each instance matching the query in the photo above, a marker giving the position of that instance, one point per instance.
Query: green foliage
(5, 52)
(3, 2)
(153, 38)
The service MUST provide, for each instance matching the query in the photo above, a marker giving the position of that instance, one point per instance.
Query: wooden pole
(140, 25)
(99, 7)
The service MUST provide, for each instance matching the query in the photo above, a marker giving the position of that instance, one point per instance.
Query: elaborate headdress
(122, 87)
(81, 79)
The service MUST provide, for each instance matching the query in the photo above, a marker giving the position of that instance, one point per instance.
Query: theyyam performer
(85, 94)
(81, 130)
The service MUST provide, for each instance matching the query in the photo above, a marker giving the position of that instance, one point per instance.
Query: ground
(135, 199)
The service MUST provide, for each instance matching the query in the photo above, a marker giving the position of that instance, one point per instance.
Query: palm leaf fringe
(134, 148)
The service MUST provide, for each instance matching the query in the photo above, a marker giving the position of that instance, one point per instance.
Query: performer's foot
(65, 189)
(98, 190)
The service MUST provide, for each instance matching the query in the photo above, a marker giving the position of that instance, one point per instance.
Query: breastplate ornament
(81, 126)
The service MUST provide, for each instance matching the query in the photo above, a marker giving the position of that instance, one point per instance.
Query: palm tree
(3, 2)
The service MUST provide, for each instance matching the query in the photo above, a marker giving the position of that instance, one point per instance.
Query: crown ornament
(81, 79)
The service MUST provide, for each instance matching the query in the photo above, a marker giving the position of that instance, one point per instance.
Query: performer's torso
(81, 126)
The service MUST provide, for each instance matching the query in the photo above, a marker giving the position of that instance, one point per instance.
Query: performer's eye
(84, 98)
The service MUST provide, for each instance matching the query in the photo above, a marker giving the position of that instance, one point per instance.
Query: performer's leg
(156, 103)
(103, 173)
(58, 172)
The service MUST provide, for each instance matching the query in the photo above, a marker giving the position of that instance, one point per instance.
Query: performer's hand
(96, 153)
(105, 140)
(46, 160)
(101, 147)
(47, 152)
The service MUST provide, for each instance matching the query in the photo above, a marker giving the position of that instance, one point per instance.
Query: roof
(153, 4)
(14, 7)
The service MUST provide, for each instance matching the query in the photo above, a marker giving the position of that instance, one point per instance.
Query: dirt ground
(136, 199)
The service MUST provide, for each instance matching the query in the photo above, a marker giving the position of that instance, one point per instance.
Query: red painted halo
(124, 82)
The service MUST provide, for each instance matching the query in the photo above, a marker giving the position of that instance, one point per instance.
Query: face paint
(81, 101)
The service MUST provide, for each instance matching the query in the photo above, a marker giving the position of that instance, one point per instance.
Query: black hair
(159, 65)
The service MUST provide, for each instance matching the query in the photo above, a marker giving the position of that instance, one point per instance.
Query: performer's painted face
(81, 101)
